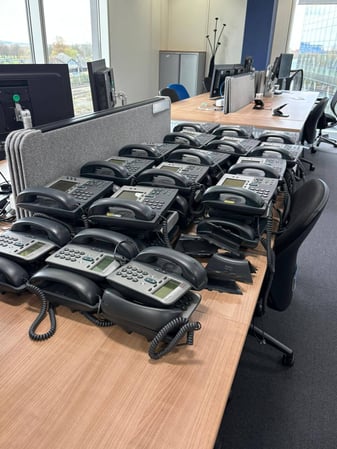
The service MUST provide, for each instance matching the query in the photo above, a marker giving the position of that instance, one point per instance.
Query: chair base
(288, 354)
(326, 139)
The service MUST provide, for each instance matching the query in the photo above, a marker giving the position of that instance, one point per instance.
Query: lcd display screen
(104, 263)
(63, 185)
(34, 247)
(234, 182)
(166, 289)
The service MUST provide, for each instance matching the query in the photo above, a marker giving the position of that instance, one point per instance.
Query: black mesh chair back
(310, 127)
(295, 80)
(307, 204)
(326, 121)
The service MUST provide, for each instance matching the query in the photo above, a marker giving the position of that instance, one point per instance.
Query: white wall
(140, 28)
(282, 27)
(135, 32)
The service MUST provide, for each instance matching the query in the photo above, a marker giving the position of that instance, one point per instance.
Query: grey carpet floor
(274, 407)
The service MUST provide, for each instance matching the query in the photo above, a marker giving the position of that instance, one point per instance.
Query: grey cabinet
(187, 68)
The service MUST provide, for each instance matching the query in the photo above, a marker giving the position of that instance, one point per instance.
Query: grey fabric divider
(37, 158)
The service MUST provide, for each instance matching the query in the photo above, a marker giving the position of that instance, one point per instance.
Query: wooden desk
(201, 109)
(90, 387)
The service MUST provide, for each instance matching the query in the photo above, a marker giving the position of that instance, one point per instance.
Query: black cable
(45, 308)
(185, 327)
(97, 321)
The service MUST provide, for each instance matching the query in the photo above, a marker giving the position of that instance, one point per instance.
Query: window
(14, 34)
(66, 31)
(314, 44)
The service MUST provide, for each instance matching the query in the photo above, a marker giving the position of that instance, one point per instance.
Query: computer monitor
(102, 85)
(286, 60)
(218, 79)
(282, 66)
(43, 89)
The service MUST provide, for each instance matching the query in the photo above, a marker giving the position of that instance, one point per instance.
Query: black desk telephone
(203, 127)
(256, 188)
(149, 295)
(217, 162)
(158, 277)
(258, 166)
(121, 170)
(184, 177)
(133, 207)
(156, 151)
(230, 130)
(192, 139)
(24, 246)
(233, 145)
(68, 197)
(95, 252)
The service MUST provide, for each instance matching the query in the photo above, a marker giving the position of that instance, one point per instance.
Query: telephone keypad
(143, 282)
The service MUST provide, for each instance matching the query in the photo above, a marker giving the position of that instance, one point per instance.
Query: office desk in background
(201, 109)
(90, 387)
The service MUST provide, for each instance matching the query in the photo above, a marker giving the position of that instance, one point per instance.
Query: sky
(67, 18)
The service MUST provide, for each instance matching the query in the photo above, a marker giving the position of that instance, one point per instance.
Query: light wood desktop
(202, 109)
(90, 387)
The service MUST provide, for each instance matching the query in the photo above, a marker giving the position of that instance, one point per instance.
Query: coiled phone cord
(186, 327)
(95, 320)
(45, 308)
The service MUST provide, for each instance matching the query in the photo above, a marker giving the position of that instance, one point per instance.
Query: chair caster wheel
(312, 168)
(313, 150)
(288, 359)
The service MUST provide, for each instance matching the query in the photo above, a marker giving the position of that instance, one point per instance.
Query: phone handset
(274, 135)
(54, 231)
(226, 146)
(236, 199)
(67, 288)
(191, 156)
(104, 168)
(197, 127)
(272, 151)
(123, 245)
(33, 196)
(180, 137)
(173, 261)
(159, 177)
(228, 130)
(13, 277)
(139, 150)
(114, 207)
(254, 169)
(227, 234)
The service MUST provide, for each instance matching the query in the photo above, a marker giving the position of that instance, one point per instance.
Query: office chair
(309, 131)
(168, 92)
(295, 80)
(307, 204)
(180, 89)
(327, 121)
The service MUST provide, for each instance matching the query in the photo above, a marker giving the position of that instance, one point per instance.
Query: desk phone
(260, 166)
(121, 170)
(218, 163)
(67, 197)
(174, 174)
(95, 252)
(137, 207)
(291, 153)
(203, 127)
(158, 277)
(266, 188)
(33, 238)
(189, 138)
(156, 151)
